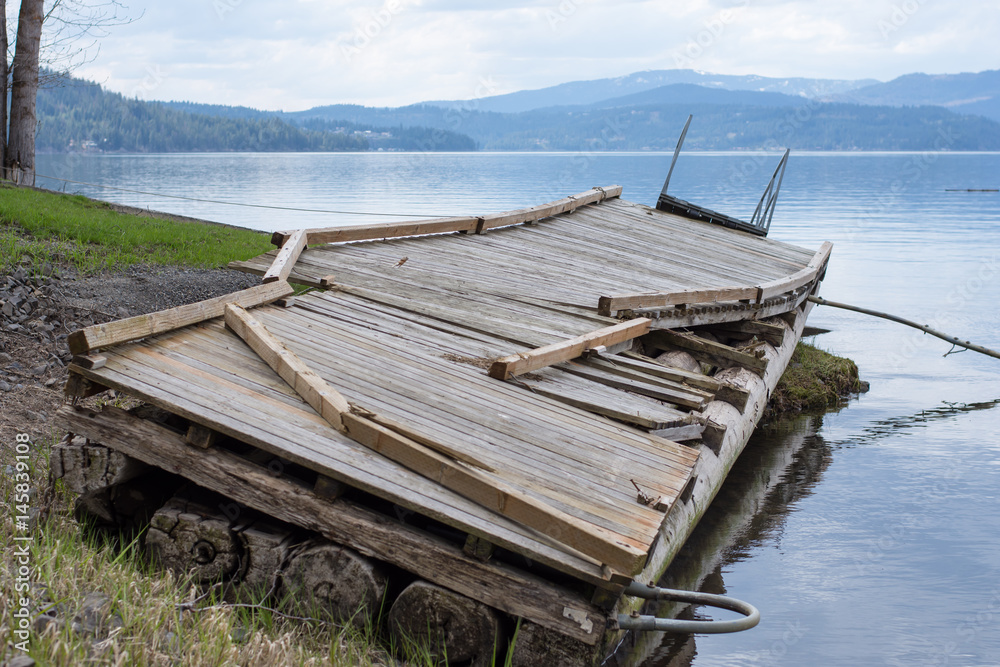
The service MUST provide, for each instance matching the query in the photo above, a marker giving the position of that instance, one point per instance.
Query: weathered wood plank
(498, 585)
(525, 362)
(724, 391)
(498, 496)
(533, 213)
(694, 401)
(799, 278)
(609, 305)
(385, 230)
(314, 390)
(143, 326)
(285, 260)
(432, 463)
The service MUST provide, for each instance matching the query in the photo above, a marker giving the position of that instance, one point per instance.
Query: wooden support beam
(461, 224)
(724, 391)
(143, 326)
(478, 548)
(329, 488)
(78, 386)
(324, 399)
(611, 305)
(716, 353)
(494, 494)
(567, 205)
(285, 260)
(387, 230)
(432, 460)
(525, 362)
(90, 362)
(497, 584)
(199, 436)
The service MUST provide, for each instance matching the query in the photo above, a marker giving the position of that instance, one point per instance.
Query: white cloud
(302, 53)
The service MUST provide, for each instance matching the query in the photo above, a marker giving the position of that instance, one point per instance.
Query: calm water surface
(870, 536)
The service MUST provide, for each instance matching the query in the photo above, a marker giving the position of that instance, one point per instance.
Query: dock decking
(406, 330)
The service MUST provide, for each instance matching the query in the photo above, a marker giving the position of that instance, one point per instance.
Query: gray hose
(751, 617)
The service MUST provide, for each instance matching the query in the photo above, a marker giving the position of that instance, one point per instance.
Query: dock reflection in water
(784, 464)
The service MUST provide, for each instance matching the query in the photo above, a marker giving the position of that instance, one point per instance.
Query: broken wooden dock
(513, 407)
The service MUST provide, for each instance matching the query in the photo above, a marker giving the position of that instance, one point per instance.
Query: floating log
(464, 630)
(333, 582)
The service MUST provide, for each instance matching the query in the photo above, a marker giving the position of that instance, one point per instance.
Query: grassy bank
(90, 236)
(814, 380)
(146, 617)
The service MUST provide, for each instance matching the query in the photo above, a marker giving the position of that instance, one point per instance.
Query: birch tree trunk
(19, 160)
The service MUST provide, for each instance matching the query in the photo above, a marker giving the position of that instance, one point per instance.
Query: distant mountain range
(603, 90)
(642, 111)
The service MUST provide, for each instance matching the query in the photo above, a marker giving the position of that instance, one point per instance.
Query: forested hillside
(81, 116)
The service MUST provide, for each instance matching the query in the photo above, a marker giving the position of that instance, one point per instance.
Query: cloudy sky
(296, 54)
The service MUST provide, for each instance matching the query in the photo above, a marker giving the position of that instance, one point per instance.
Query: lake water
(878, 539)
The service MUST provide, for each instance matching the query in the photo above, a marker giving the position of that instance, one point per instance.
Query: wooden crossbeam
(610, 305)
(142, 326)
(499, 585)
(456, 224)
(314, 390)
(431, 459)
(385, 230)
(532, 360)
(285, 260)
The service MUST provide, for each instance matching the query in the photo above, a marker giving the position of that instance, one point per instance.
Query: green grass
(90, 236)
(68, 561)
(814, 380)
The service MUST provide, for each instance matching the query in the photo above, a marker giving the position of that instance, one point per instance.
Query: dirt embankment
(41, 305)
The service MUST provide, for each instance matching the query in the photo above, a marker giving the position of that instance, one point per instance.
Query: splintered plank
(435, 461)
(142, 326)
(525, 362)
(412, 549)
(601, 399)
(283, 262)
(712, 351)
(723, 391)
(693, 399)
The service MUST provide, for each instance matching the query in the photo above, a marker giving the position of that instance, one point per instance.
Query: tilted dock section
(475, 400)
